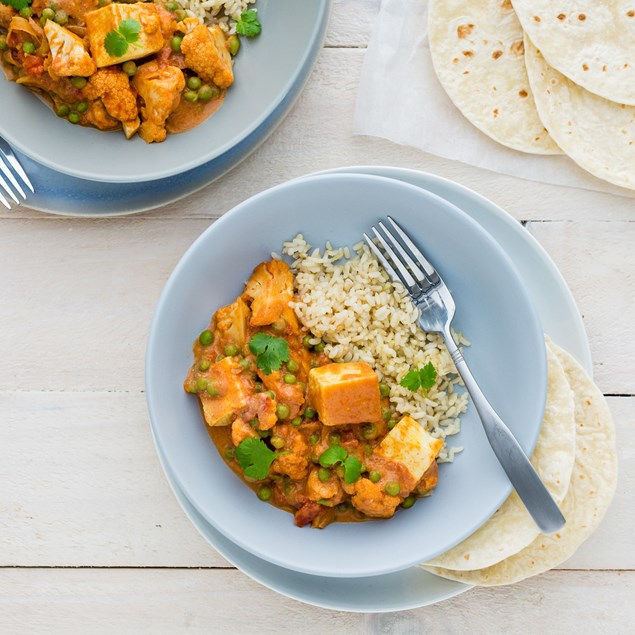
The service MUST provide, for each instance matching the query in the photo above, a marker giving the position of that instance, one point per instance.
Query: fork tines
(402, 259)
(8, 160)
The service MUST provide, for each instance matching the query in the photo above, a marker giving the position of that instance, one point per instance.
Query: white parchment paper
(401, 99)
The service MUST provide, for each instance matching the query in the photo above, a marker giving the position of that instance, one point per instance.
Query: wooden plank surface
(154, 601)
(82, 486)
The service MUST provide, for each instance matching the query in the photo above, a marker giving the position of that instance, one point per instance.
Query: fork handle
(519, 470)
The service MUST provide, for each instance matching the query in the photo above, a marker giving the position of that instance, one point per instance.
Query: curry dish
(316, 438)
(142, 67)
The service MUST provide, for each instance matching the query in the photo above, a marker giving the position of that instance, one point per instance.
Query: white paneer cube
(411, 445)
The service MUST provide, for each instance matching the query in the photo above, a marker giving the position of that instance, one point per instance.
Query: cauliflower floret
(68, 52)
(161, 88)
(113, 88)
(206, 53)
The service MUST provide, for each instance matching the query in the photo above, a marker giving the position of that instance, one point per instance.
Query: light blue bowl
(266, 69)
(493, 310)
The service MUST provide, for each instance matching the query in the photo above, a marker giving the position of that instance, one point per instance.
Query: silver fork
(406, 265)
(7, 158)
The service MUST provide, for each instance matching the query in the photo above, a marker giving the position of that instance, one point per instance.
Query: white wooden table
(91, 537)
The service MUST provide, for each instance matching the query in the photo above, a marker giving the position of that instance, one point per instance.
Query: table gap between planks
(90, 533)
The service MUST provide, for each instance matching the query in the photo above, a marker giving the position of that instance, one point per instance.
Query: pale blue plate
(84, 172)
(494, 309)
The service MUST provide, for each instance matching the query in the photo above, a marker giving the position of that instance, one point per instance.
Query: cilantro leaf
(333, 455)
(248, 24)
(352, 469)
(116, 42)
(255, 457)
(129, 29)
(270, 351)
(423, 378)
(17, 4)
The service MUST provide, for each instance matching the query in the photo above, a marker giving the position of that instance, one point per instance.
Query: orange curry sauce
(283, 409)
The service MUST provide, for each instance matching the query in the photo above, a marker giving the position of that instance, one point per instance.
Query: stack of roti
(575, 458)
(544, 77)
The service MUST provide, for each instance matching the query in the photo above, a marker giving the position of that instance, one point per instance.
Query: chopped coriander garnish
(116, 42)
(255, 457)
(270, 351)
(17, 4)
(337, 454)
(423, 378)
(248, 24)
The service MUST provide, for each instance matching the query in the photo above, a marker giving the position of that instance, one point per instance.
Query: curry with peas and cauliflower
(315, 438)
(147, 68)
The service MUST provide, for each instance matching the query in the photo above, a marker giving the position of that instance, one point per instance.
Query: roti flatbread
(589, 42)
(599, 135)
(478, 54)
(511, 528)
(589, 495)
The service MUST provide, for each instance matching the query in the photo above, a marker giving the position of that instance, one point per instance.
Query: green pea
(28, 47)
(408, 502)
(368, 450)
(245, 363)
(314, 438)
(171, 6)
(180, 14)
(48, 13)
(264, 493)
(293, 366)
(319, 347)
(263, 433)
(194, 83)
(234, 44)
(391, 424)
(279, 325)
(79, 82)
(296, 422)
(392, 488)
(289, 378)
(129, 68)
(324, 474)
(42, 21)
(306, 342)
(271, 394)
(204, 365)
(334, 439)
(277, 441)
(202, 383)
(4, 45)
(175, 43)
(310, 413)
(282, 410)
(205, 92)
(26, 12)
(253, 423)
(206, 338)
(82, 106)
(374, 476)
(212, 391)
(230, 350)
(61, 17)
(63, 110)
(384, 390)
(74, 117)
(191, 96)
(220, 358)
(230, 453)
(369, 431)
(386, 415)
(192, 387)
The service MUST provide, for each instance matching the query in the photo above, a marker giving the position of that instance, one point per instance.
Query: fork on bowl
(12, 170)
(406, 265)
